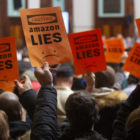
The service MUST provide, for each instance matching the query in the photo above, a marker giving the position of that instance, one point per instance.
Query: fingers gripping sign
(90, 81)
(23, 85)
(44, 75)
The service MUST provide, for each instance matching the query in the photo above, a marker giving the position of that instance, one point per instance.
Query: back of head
(132, 126)
(10, 104)
(64, 71)
(4, 128)
(105, 78)
(81, 110)
(64, 75)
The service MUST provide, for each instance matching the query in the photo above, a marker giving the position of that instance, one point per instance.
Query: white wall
(137, 8)
(136, 11)
(33, 4)
(83, 15)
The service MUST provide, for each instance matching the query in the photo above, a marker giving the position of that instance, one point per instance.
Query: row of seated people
(67, 114)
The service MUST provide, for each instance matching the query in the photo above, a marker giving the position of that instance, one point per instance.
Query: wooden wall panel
(46, 3)
(127, 29)
(68, 7)
(4, 25)
(11, 26)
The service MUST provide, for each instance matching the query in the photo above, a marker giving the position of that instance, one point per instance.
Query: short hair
(81, 110)
(64, 71)
(4, 128)
(105, 78)
(10, 104)
(132, 126)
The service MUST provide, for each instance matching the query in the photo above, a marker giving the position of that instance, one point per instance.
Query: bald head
(9, 103)
(8, 95)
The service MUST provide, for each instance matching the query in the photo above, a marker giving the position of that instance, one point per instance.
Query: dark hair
(105, 78)
(132, 126)
(81, 110)
(64, 71)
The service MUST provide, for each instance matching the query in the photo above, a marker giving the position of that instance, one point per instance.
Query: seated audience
(108, 100)
(81, 111)
(127, 123)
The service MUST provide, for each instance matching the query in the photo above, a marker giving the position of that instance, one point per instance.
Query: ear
(70, 81)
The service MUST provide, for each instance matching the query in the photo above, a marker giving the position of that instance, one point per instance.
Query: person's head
(4, 128)
(132, 126)
(81, 110)
(105, 78)
(10, 104)
(64, 76)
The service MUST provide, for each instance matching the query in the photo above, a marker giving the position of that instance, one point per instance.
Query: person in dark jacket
(82, 113)
(45, 113)
(108, 100)
(121, 129)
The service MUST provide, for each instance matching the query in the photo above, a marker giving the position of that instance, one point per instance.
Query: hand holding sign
(44, 75)
(88, 52)
(90, 81)
(23, 85)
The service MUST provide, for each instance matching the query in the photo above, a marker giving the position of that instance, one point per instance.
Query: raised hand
(90, 81)
(23, 85)
(44, 75)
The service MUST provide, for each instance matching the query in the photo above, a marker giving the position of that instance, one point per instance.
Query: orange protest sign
(45, 36)
(114, 50)
(138, 24)
(88, 52)
(8, 63)
(7, 85)
(132, 64)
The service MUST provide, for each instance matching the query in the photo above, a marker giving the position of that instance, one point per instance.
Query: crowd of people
(51, 103)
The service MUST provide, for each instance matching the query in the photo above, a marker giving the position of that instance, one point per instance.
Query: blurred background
(116, 18)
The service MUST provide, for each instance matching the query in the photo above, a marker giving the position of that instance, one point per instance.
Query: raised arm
(27, 95)
(90, 81)
(45, 115)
